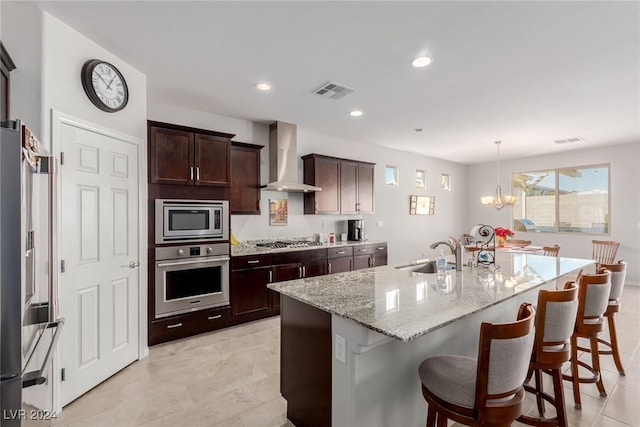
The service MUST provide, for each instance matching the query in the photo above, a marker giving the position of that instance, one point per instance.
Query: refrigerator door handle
(38, 377)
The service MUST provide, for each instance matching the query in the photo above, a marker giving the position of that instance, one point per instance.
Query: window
(445, 183)
(421, 178)
(391, 175)
(571, 200)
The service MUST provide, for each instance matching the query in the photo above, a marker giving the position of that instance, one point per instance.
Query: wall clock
(104, 85)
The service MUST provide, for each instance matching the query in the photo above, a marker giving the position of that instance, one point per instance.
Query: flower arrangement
(503, 232)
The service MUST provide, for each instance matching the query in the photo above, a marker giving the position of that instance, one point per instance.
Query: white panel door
(99, 245)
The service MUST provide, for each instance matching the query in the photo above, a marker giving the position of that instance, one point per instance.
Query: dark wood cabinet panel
(373, 255)
(314, 268)
(366, 188)
(361, 261)
(323, 172)
(245, 179)
(339, 265)
(180, 155)
(289, 271)
(170, 156)
(212, 159)
(347, 185)
(249, 293)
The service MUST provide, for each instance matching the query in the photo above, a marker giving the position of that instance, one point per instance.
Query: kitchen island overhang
(391, 319)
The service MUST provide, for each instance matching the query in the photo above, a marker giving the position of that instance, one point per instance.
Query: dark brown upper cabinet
(244, 196)
(347, 185)
(187, 156)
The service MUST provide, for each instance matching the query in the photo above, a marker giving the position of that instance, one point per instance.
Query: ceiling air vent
(333, 90)
(568, 140)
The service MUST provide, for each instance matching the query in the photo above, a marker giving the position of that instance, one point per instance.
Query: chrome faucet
(456, 249)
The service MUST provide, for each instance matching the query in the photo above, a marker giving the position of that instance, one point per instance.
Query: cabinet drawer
(370, 249)
(340, 252)
(250, 261)
(188, 324)
(299, 256)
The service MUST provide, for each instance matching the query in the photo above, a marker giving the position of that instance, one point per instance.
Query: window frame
(517, 192)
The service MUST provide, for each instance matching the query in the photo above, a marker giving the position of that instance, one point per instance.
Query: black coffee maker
(355, 229)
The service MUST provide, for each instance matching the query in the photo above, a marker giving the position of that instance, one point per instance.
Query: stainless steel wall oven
(190, 278)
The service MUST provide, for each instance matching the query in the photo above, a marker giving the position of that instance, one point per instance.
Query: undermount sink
(428, 267)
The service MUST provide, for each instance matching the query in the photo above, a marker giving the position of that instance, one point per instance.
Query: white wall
(625, 200)
(21, 34)
(64, 52)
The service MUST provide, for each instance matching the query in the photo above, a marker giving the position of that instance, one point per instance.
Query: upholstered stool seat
(486, 391)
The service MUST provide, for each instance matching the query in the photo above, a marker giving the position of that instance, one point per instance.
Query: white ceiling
(526, 73)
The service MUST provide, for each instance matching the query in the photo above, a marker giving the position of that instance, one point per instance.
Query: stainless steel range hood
(283, 160)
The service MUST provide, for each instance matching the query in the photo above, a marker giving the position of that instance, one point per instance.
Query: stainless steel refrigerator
(29, 323)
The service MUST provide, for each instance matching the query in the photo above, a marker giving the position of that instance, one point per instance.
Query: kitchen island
(351, 343)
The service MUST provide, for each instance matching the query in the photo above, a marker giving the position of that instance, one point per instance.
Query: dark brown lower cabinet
(250, 294)
(305, 363)
(373, 255)
(184, 325)
(340, 260)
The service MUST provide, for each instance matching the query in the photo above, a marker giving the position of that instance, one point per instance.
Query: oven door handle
(195, 261)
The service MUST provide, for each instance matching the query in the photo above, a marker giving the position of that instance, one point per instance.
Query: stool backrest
(604, 251)
(593, 298)
(555, 322)
(618, 275)
(503, 361)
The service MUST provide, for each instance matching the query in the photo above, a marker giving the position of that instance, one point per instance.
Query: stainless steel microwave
(183, 221)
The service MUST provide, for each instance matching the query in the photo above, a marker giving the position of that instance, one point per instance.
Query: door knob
(132, 264)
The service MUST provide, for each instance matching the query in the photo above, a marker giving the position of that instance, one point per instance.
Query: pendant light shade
(498, 201)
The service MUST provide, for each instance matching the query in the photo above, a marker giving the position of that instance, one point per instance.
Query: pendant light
(498, 201)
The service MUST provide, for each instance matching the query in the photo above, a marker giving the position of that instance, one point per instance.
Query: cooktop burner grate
(288, 244)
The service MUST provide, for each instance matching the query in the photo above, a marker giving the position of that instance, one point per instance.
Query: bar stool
(618, 275)
(555, 321)
(604, 251)
(487, 391)
(593, 296)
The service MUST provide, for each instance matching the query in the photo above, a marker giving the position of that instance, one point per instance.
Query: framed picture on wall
(278, 211)
(422, 205)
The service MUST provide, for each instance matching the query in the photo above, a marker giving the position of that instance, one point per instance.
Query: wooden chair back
(555, 322)
(593, 298)
(499, 393)
(604, 251)
(551, 250)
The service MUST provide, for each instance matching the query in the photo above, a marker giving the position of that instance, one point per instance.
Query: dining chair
(487, 391)
(555, 321)
(604, 251)
(551, 250)
(593, 298)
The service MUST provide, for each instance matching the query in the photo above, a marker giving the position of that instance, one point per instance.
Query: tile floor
(230, 378)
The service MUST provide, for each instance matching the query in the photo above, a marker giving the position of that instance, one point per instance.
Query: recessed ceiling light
(263, 86)
(421, 61)
(356, 113)
(418, 130)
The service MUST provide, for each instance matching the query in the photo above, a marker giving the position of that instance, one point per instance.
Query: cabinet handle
(198, 173)
(362, 250)
(341, 252)
(299, 272)
(270, 276)
(195, 302)
(373, 262)
(329, 268)
(304, 271)
(315, 207)
(175, 325)
(253, 261)
(358, 207)
(191, 173)
(351, 264)
(369, 262)
(214, 317)
(381, 248)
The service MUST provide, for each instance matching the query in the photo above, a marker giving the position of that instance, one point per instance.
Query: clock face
(105, 86)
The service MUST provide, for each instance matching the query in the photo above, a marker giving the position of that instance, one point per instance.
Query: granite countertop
(404, 305)
(251, 249)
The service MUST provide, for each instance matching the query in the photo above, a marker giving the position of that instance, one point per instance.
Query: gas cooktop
(281, 244)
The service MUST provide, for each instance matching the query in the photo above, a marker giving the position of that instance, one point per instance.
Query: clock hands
(100, 76)
(109, 85)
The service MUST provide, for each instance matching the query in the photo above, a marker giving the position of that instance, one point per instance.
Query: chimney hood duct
(283, 160)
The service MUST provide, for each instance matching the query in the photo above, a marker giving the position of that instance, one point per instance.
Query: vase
(501, 241)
